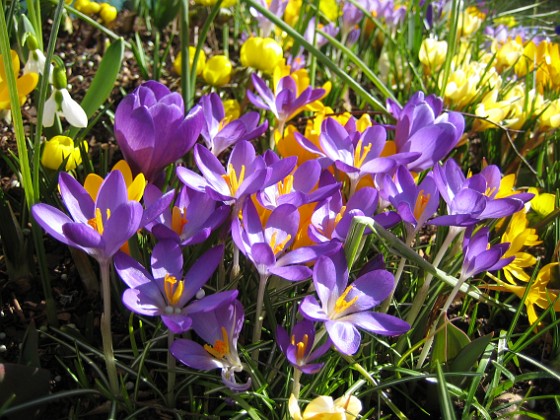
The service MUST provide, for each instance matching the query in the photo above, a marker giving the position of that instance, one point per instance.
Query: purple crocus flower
(97, 227)
(152, 130)
(315, 38)
(354, 153)
(297, 188)
(423, 128)
(299, 347)
(166, 292)
(286, 102)
(332, 220)
(219, 133)
(246, 173)
(267, 246)
(220, 329)
(414, 203)
(344, 308)
(479, 256)
(191, 219)
(472, 199)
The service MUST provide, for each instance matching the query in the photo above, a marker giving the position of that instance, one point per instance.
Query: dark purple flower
(245, 173)
(152, 130)
(472, 199)
(480, 257)
(192, 218)
(219, 133)
(220, 329)
(97, 227)
(423, 128)
(285, 102)
(299, 347)
(344, 308)
(267, 247)
(415, 204)
(166, 292)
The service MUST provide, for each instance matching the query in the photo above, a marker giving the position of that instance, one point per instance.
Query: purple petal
(193, 355)
(167, 258)
(345, 337)
(378, 323)
(76, 199)
(130, 270)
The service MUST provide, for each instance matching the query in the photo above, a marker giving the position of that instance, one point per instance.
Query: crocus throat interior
(341, 304)
(232, 180)
(221, 347)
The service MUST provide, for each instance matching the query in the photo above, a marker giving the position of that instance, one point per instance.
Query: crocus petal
(52, 220)
(145, 300)
(178, 323)
(76, 199)
(130, 270)
(311, 309)
(167, 258)
(121, 226)
(83, 235)
(344, 335)
(378, 323)
(193, 355)
(200, 272)
(292, 273)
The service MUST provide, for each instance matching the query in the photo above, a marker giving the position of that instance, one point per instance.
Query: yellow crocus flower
(347, 407)
(61, 148)
(25, 84)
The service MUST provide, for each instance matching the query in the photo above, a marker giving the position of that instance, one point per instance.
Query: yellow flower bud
(107, 13)
(263, 54)
(92, 8)
(432, 54)
(217, 71)
(200, 64)
(210, 3)
(58, 149)
(80, 5)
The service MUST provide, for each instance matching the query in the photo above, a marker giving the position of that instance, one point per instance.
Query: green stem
(259, 315)
(186, 90)
(106, 334)
(296, 386)
(410, 234)
(420, 298)
(171, 372)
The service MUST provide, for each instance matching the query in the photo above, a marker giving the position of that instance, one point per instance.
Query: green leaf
(446, 406)
(449, 341)
(470, 354)
(104, 80)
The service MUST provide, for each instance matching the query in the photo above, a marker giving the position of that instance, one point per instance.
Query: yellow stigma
(97, 221)
(489, 191)
(276, 248)
(301, 346)
(286, 186)
(360, 156)
(232, 180)
(341, 304)
(421, 203)
(178, 219)
(220, 348)
(339, 215)
(173, 289)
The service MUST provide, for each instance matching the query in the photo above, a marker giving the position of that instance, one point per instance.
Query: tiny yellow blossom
(470, 21)
(91, 8)
(24, 84)
(210, 3)
(291, 14)
(542, 203)
(61, 148)
(200, 63)
(330, 9)
(107, 13)
(217, 71)
(347, 407)
(263, 54)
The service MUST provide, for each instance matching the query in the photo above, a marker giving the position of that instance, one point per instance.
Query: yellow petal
(92, 184)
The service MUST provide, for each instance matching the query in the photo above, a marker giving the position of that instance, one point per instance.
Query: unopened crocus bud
(108, 13)
(432, 54)
(217, 71)
(263, 54)
(200, 63)
(61, 148)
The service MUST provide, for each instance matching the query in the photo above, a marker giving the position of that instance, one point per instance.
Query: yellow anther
(97, 221)
(286, 186)
(341, 304)
(173, 289)
(489, 191)
(220, 348)
(178, 219)
(276, 248)
(360, 156)
(339, 215)
(421, 203)
(301, 347)
(232, 180)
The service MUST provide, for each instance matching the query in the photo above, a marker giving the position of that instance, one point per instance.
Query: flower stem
(171, 373)
(106, 334)
(296, 386)
(259, 316)
(420, 298)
